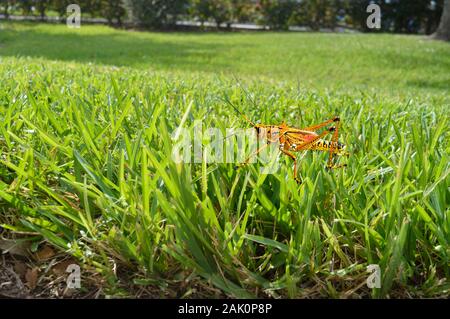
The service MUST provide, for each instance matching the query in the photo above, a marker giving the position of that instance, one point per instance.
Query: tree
(200, 9)
(60, 6)
(41, 6)
(277, 13)
(26, 6)
(356, 14)
(401, 16)
(405, 16)
(5, 6)
(318, 13)
(220, 11)
(92, 7)
(241, 10)
(443, 30)
(112, 10)
(432, 16)
(155, 13)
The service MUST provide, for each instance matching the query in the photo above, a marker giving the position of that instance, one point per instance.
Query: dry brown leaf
(20, 269)
(68, 292)
(18, 248)
(31, 277)
(45, 253)
(60, 268)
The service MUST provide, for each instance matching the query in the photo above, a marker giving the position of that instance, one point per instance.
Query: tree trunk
(443, 31)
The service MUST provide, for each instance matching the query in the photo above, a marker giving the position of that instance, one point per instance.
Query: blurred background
(399, 16)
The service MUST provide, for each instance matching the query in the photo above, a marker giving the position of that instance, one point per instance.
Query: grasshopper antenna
(239, 112)
(243, 89)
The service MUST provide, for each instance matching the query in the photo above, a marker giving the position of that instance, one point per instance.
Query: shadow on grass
(317, 60)
(431, 84)
(118, 49)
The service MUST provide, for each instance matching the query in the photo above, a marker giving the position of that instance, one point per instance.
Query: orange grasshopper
(292, 139)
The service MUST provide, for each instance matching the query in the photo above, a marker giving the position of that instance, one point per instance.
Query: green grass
(393, 63)
(85, 159)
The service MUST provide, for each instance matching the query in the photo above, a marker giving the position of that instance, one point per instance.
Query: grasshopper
(292, 139)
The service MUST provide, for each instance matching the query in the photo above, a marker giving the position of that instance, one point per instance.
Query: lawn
(86, 168)
(394, 63)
